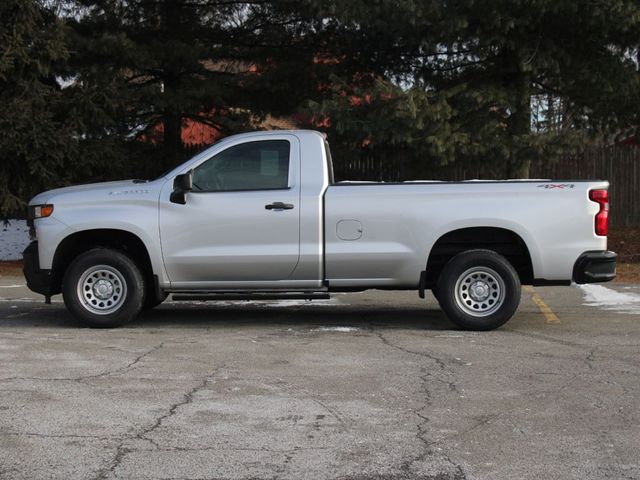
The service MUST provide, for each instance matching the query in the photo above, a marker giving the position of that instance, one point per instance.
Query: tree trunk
(172, 133)
(519, 123)
(172, 114)
(172, 122)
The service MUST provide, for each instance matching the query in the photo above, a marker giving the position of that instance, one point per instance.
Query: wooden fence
(620, 165)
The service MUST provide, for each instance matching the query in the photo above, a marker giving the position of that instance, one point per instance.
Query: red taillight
(601, 197)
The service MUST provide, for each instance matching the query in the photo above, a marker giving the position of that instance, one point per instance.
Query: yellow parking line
(549, 316)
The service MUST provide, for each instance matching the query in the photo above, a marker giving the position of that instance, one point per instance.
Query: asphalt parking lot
(364, 386)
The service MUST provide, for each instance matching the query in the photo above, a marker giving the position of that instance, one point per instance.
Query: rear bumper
(38, 280)
(595, 267)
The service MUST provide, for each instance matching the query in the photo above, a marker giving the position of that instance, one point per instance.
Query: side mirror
(181, 185)
(183, 182)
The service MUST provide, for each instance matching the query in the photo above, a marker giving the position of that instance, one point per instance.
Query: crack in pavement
(441, 363)
(547, 338)
(386, 341)
(218, 448)
(290, 453)
(459, 472)
(590, 358)
(421, 426)
(129, 366)
(481, 421)
(334, 413)
(53, 435)
(122, 450)
(576, 345)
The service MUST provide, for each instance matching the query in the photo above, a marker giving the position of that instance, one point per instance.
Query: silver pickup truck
(259, 216)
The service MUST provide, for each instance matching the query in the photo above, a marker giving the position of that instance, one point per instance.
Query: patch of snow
(609, 299)
(262, 303)
(14, 238)
(21, 299)
(336, 329)
(293, 303)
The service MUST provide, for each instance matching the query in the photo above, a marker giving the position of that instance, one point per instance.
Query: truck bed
(400, 223)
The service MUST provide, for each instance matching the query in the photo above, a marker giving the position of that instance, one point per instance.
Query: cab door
(240, 224)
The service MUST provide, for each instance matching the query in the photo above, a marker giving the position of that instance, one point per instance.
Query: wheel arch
(79, 242)
(504, 241)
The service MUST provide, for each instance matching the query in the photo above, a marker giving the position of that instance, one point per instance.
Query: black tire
(479, 290)
(103, 288)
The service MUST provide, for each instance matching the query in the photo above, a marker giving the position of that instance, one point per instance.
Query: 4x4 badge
(557, 185)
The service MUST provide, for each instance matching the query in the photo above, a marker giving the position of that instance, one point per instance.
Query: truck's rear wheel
(103, 288)
(479, 290)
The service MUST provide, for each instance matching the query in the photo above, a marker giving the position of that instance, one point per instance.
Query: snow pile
(609, 299)
(14, 238)
(267, 303)
(295, 303)
(336, 329)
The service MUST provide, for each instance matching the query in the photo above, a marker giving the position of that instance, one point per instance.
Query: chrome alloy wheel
(479, 291)
(102, 289)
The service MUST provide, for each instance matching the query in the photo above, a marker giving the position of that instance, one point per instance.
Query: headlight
(40, 211)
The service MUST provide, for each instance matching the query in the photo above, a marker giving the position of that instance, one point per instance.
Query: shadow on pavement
(232, 316)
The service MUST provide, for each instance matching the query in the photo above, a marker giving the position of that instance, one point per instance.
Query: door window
(261, 165)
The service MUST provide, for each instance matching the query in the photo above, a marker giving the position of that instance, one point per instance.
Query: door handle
(279, 206)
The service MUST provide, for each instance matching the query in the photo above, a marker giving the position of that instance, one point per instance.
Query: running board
(202, 297)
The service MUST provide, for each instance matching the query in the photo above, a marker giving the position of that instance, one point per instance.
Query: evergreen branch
(546, 88)
(209, 3)
(458, 66)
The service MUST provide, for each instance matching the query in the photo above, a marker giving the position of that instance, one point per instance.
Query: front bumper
(38, 280)
(595, 267)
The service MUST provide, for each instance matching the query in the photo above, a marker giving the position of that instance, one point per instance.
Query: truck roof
(272, 132)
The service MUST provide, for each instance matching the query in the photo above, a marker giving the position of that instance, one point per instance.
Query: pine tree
(35, 136)
(487, 61)
(224, 64)
(574, 51)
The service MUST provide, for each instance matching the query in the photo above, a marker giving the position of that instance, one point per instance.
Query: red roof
(197, 133)
(194, 133)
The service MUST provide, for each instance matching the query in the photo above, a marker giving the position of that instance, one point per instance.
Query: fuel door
(349, 230)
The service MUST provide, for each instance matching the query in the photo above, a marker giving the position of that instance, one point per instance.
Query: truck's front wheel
(103, 288)
(479, 290)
